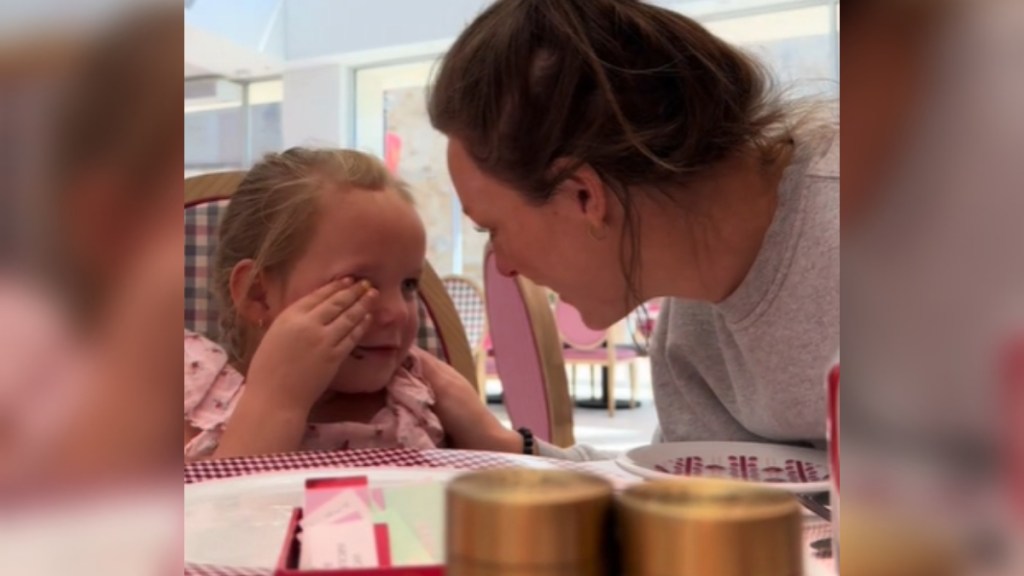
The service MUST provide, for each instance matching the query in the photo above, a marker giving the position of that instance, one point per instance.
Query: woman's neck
(725, 219)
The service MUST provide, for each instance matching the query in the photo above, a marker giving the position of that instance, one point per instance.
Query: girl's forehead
(364, 228)
(337, 200)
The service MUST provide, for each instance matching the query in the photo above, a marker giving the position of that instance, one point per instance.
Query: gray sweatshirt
(752, 367)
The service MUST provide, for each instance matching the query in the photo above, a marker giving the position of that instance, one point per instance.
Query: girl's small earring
(599, 237)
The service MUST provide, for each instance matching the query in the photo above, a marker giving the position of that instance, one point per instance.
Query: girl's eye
(481, 229)
(411, 286)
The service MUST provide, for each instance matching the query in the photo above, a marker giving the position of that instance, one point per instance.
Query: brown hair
(645, 96)
(269, 219)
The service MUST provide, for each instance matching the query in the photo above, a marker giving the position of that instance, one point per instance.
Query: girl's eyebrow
(356, 273)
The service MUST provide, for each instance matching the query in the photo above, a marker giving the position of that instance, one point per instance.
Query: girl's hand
(294, 364)
(305, 344)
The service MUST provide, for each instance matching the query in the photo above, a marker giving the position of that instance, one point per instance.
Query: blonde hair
(269, 219)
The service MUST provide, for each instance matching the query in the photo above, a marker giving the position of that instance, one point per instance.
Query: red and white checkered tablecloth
(460, 459)
(457, 459)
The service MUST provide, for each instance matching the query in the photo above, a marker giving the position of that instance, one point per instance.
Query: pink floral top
(213, 388)
(43, 375)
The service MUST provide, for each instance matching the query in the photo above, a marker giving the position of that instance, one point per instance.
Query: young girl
(316, 275)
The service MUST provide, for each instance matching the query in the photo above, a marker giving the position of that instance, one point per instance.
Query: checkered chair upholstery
(427, 338)
(201, 314)
(200, 242)
(469, 303)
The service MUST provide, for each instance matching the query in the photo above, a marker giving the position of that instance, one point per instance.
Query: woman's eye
(481, 229)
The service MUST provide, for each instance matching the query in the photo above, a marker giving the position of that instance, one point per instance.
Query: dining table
(219, 477)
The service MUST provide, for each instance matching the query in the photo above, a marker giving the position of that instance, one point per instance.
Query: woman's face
(552, 244)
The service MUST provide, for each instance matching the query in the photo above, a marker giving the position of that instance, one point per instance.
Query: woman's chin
(599, 319)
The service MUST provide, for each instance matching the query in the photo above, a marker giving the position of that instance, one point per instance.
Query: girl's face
(371, 235)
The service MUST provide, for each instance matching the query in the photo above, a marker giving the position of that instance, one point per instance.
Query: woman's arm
(471, 426)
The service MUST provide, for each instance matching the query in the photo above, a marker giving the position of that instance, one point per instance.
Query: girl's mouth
(361, 352)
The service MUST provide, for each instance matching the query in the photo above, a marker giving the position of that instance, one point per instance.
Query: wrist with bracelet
(529, 443)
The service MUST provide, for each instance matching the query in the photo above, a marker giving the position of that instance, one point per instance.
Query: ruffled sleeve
(212, 390)
(411, 400)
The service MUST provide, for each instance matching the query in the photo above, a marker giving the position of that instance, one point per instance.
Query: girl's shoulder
(211, 383)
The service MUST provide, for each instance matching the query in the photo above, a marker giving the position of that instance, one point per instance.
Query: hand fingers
(322, 294)
(347, 332)
(339, 302)
(347, 319)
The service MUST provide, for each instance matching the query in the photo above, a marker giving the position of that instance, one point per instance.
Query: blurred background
(932, 285)
(354, 74)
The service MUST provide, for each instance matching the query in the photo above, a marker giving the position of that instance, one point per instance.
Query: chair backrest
(527, 354)
(215, 185)
(207, 197)
(201, 220)
(573, 331)
(441, 332)
(468, 298)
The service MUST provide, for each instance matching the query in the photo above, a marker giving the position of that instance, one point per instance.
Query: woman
(618, 152)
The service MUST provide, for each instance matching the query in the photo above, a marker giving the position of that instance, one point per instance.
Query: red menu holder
(288, 562)
(833, 453)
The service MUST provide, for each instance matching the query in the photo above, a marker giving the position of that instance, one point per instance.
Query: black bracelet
(527, 440)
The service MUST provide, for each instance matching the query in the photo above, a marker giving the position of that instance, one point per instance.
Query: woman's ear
(249, 293)
(587, 194)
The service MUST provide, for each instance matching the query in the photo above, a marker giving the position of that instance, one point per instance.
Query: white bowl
(789, 468)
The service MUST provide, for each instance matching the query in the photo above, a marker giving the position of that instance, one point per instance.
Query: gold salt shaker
(709, 528)
(527, 522)
(880, 544)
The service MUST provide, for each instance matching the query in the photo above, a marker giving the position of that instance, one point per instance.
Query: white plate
(241, 522)
(789, 468)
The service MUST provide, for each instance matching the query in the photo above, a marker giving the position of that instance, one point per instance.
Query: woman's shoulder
(818, 149)
(690, 312)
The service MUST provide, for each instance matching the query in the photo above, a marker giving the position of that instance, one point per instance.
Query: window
(229, 125)
(391, 122)
(799, 43)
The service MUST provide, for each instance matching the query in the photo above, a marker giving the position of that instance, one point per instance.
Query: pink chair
(527, 355)
(640, 325)
(596, 348)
